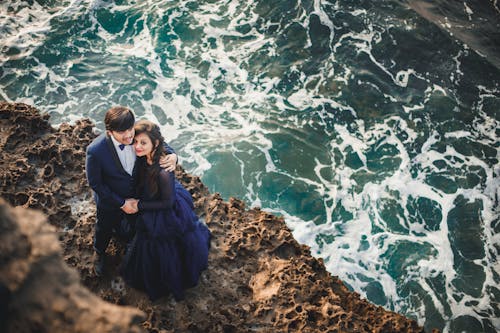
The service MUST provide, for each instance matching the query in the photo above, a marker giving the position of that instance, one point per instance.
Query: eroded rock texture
(40, 293)
(259, 278)
(42, 167)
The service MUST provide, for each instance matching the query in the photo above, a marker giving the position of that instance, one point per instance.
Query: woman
(170, 247)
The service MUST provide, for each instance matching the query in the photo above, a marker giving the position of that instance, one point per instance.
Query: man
(109, 167)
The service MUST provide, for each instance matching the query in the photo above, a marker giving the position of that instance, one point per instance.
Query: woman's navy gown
(170, 248)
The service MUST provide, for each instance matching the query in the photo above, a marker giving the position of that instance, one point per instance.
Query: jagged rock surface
(40, 293)
(259, 278)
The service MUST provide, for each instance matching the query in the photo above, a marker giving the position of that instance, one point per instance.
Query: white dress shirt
(127, 156)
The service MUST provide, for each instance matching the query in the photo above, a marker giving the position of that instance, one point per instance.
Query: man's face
(126, 137)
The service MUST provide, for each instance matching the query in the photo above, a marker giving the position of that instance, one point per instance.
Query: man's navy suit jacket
(105, 174)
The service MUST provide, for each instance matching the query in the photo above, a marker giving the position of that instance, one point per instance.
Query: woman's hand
(169, 162)
(130, 206)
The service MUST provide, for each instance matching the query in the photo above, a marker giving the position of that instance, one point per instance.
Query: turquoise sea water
(373, 130)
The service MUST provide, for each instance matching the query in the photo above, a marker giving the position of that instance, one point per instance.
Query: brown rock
(43, 293)
(259, 278)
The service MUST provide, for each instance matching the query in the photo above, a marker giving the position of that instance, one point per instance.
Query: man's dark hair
(119, 119)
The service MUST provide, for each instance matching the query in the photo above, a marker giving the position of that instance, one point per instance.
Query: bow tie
(121, 145)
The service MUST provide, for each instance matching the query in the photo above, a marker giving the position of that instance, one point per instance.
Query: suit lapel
(114, 154)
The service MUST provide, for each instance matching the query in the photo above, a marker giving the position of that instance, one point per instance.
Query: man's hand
(130, 206)
(135, 203)
(169, 162)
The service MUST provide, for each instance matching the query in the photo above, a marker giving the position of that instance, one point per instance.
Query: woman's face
(143, 145)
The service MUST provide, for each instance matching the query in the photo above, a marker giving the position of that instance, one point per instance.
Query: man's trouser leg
(106, 221)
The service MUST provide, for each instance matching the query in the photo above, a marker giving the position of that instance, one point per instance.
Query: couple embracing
(131, 172)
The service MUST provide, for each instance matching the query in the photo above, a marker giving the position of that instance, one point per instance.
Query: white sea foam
(468, 10)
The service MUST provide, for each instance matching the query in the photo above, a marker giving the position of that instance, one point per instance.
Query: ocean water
(371, 126)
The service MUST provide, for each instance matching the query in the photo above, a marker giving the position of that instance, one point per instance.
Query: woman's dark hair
(119, 119)
(149, 173)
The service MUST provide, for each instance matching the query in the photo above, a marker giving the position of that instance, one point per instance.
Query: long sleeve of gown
(166, 187)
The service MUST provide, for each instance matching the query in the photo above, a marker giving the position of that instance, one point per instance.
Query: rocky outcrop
(40, 293)
(259, 278)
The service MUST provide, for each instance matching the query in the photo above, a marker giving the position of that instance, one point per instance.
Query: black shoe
(99, 265)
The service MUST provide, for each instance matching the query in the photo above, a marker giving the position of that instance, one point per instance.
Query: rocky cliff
(259, 278)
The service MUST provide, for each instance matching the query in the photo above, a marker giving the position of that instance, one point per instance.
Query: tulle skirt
(169, 250)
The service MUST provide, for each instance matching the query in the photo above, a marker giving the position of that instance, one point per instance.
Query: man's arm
(169, 162)
(94, 178)
(168, 149)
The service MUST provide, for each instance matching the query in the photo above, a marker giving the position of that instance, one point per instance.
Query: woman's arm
(166, 187)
